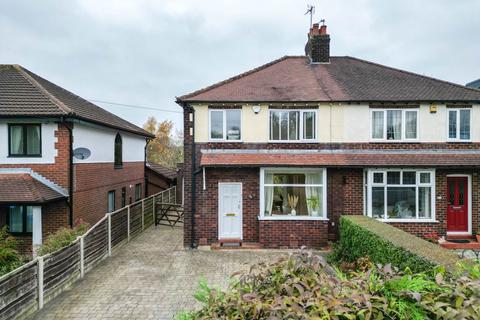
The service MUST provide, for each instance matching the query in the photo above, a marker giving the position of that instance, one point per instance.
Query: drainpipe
(69, 127)
(145, 167)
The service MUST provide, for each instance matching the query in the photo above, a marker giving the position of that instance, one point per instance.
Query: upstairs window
(25, 140)
(394, 125)
(225, 125)
(293, 125)
(118, 151)
(459, 124)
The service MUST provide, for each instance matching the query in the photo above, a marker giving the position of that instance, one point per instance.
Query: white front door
(230, 211)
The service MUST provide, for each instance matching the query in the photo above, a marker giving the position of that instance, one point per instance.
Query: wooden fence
(28, 288)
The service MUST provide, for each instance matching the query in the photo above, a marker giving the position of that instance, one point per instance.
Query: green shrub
(304, 287)
(10, 258)
(362, 236)
(62, 238)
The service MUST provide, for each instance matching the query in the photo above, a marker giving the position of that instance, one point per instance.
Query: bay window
(459, 124)
(20, 219)
(400, 195)
(293, 193)
(225, 124)
(293, 125)
(394, 124)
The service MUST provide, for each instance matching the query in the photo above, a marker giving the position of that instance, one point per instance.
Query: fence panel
(19, 291)
(148, 209)
(95, 244)
(61, 267)
(119, 227)
(135, 219)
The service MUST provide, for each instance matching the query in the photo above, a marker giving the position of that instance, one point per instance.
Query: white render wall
(101, 142)
(347, 123)
(48, 143)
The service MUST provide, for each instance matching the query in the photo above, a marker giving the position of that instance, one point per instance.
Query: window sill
(25, 156)
(116, 166)
(293, 141)
(409, 220)
(293, 218)
(459, 141)
(225, 141)
(395, 141)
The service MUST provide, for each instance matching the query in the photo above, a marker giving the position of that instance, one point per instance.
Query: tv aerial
(311, 11)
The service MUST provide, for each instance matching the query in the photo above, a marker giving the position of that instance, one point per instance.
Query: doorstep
(229, 244)
(471, 244)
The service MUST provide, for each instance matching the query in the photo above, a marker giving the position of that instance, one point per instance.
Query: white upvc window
(293, 125)
(225, 124)
(401, 195)
(293, 194)
(394, 125)
(459, 124)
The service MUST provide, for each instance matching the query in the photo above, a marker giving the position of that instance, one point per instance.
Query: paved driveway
(153, 277)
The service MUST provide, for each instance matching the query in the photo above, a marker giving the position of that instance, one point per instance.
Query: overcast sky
(146, 52)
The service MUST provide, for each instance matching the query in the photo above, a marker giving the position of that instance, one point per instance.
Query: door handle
(456, 207)
(230, 214)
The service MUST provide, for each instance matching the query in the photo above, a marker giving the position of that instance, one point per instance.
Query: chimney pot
(323, 30)
(318, 44)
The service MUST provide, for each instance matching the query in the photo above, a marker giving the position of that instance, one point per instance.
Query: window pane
(288, 178)
(401, 202)
(16, 219)
(394, 124)
(393, 177)
(16, 140)
(293, 201)
(111, 201)
(216, 124)
(378, 202)
(283, 125)
(33, 140)
(452, 124)
(409, 177)
(465, 124)
(29, 219)
(425, 177)
(309, 125)
(378, 177)
(233, 124)
(293, 127)
(410, 124)
(275, 125)
(424, 203)
(377, 125)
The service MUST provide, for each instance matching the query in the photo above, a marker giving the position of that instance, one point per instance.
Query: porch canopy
(22, 188)
(346, 158)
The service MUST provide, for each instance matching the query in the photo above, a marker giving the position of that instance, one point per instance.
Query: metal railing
(27, 288)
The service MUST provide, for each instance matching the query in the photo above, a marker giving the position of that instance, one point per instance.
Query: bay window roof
(23, 188)
(348, 158)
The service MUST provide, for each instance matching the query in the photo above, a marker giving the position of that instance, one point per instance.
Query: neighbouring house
(62, 158)
(474, 84)
(277, 154)
(158, 178)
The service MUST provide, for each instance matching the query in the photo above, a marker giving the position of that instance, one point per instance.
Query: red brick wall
(93, 181)
(293, 233)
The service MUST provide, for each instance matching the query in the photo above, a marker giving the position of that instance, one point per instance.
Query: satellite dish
(81, 153)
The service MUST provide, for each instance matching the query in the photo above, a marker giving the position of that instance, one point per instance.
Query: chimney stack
(318, 44)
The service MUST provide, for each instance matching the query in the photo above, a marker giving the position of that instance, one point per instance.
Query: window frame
(403, 128)
(457, 121)
(108, 201)
(262, 215)
(301, 138)
(224, 125)
(118, 159)
(369, 184)
(138, 191)
(25, 143)
(123, 201)
(24, 220)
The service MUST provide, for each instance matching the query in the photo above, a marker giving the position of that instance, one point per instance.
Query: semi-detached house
(276, 155)
(62, 158)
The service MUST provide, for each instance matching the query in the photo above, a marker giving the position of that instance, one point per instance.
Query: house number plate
(230, 214)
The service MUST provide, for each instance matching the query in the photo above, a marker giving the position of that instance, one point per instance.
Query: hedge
(362, 236)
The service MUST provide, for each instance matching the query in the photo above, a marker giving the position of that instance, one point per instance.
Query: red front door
(457, 204)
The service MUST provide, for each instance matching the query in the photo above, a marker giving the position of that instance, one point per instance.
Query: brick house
(277, 154)
(62, 158)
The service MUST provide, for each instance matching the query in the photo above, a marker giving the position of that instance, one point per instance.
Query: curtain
(310, 191)
(465, 124)
(411, 124)
(16, 140)
(16, 219)
(268, 179)
(33, 140)
(377, 123)
(394, 124)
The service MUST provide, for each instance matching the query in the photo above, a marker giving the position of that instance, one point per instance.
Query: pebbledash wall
(95, 176)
